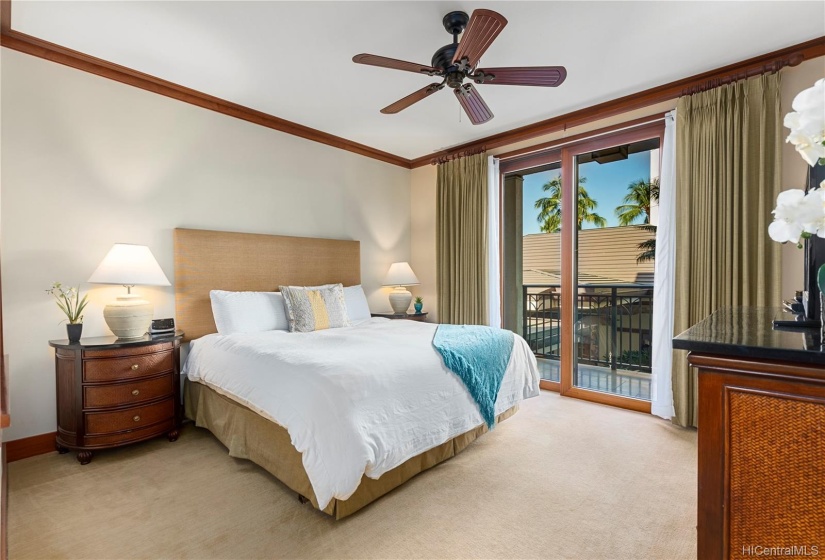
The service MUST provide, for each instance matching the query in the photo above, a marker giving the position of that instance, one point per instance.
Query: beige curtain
(461, 241)
(727, 179)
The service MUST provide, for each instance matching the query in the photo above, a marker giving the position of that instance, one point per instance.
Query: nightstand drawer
(127, 351)
(115, 369)
(122, 438)
(95, 396)
(129, 419)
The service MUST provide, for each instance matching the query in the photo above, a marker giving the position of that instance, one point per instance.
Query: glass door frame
(569, 284)
(566, 153)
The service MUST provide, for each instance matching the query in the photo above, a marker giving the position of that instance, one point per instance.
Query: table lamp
(400, 275)
(129, 316)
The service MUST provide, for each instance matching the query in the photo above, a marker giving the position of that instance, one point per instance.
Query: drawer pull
(135, 392)
(136, 418)
(135, 366)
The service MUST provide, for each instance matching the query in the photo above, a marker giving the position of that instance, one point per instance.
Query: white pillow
(357, 308)
(248, 312)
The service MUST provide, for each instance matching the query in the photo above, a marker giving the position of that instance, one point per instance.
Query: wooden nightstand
(409, 316)
(113, 392)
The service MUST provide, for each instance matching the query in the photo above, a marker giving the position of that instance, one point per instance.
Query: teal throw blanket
(479, 357)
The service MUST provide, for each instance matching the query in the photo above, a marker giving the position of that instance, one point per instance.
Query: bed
(367, 407)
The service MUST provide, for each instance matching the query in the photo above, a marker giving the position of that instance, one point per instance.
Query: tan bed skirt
(249, 435)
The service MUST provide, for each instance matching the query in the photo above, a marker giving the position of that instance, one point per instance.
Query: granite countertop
(749, 332)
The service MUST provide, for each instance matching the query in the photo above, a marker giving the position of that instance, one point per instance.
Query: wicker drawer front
(129, 419)
(95, 396)
(777, 472)
(116, 369)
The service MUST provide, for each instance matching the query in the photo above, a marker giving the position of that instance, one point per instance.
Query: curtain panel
(493, 247)
(728, 176)
(664, 289)
(461, 241)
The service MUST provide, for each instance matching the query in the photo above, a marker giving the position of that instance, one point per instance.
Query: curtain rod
(457, 155)
(771, 67)
(581, 138)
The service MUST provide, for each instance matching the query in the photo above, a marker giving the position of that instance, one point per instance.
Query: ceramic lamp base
(129, 316)
(400, 299)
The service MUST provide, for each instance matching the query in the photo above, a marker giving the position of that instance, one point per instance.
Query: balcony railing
(613, 324)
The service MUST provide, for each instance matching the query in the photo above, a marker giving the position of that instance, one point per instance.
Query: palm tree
(640, 195)
(647, 249)
(550, 207)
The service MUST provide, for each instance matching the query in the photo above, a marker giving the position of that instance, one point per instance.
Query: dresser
(761, 435)
(113, 392)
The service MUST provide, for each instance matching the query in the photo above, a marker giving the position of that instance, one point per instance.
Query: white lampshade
(129, 316)
(400, 274)
(129, 265)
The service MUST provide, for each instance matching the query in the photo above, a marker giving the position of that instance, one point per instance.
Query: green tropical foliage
(647, 249)
(550, 207)
(640, 195)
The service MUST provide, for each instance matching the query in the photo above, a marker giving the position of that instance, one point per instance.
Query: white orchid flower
(807, 123)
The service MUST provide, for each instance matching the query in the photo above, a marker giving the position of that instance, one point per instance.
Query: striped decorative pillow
(314, 308)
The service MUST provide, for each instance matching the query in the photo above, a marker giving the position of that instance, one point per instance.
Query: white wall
(87, 162)
(422, 205)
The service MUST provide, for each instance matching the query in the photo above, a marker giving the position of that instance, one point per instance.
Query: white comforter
(354, 400)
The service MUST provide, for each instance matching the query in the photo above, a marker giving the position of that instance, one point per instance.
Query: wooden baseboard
(30, 446)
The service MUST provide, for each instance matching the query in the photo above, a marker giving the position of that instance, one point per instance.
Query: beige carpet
(563, 478)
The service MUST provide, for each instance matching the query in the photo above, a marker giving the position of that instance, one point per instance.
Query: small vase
(418, 307)
(73, 330)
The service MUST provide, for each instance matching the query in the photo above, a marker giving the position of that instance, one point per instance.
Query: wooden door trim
(610, 399)
(524, 154)
(548, 385)
(567, 297)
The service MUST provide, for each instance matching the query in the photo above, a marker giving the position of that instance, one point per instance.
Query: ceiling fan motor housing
(455, 22)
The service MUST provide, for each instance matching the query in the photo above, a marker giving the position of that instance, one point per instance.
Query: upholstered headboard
(218, 260)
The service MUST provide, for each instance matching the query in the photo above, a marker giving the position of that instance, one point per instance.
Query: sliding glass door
(532, 261)
(616, 197)
(579, 261)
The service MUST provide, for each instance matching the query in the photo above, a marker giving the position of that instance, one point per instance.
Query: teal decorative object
(479, 357)
(419, 304)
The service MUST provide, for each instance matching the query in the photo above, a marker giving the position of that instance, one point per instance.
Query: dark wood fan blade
(384, 62)
(473, 104)
(546, 76)
(414, 97)
(482, 29)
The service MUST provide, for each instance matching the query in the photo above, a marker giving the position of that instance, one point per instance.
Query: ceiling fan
(458, 61)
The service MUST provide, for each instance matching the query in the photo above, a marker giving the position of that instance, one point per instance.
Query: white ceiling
(293, 59)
